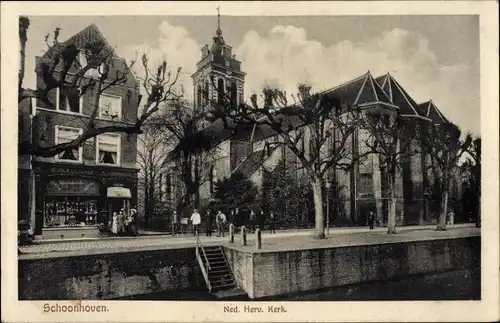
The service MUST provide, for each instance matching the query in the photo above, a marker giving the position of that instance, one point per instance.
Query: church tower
(217, 72)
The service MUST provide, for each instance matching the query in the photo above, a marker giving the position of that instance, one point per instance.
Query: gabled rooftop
(432, 112)
(398, 96)
(361, 91)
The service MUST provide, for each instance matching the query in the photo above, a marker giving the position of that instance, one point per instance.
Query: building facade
(74, 187)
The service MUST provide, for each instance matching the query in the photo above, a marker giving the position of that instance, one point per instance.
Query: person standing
(272, 223)
(371, 219)
(133, 222)
(114, 224)
(208, 223)
(236, 218)
(220, 220)
(195, 221)
(252, 220)
(174, 223)
(260, 219)
(451, 218)
(121, 222)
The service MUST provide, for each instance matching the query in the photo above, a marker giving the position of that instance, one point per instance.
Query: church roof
(363, 90)
(432, 112)
(399, 96)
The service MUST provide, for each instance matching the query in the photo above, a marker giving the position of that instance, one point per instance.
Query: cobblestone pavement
(166, 241)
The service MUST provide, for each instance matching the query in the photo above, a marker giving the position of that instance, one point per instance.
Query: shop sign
(85, 171)
(72, 186)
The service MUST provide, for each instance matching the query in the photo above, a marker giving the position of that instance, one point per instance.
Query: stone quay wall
(267, 274)
(109, 276)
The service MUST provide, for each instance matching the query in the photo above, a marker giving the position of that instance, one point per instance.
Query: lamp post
(327, 185)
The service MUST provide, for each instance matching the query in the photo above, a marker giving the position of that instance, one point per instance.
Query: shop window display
(70, 211)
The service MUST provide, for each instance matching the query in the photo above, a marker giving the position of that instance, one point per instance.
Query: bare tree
(444, 145)
(475, 152)
(473, 166)
(190, 149)
(151, 155)
(67, 67)
(389, 136)
(316, 128)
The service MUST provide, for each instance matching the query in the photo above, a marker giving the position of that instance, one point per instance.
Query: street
(122, 244)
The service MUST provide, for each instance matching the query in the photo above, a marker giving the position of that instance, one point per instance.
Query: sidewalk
(125, 244)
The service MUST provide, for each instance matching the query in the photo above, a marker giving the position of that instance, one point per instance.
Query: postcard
(250, 161)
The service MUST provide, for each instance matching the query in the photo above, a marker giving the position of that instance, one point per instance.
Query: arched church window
(198, 96)
(234, 95)
(205, 93)
(220, 91)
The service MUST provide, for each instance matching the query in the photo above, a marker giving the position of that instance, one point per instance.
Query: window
(234, 101)
(67, 134)
(110, 107)
(220, 91)
(205, 93)
(69, 100)
(108, 149)
(198, 96)
(365, 185)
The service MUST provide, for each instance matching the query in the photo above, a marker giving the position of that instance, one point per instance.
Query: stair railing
(200, 261)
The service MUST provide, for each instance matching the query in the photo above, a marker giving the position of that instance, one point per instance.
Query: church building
(364, 185)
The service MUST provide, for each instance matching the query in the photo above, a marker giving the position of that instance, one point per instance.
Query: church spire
(219, 31)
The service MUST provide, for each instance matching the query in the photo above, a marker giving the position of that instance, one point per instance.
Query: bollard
(259, 239)
(244, 235)
(231, 233)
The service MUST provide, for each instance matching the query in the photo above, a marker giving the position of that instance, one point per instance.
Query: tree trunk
(318, 208)
(391, 218)
(441, 226)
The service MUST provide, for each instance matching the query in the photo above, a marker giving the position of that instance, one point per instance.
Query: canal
(452, 285)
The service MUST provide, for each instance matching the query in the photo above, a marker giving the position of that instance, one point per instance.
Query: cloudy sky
(433, 57)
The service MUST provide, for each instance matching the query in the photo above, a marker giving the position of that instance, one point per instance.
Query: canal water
(453, 285)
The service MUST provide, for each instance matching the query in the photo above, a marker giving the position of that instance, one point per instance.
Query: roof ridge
(389, 76)
(441, 115)
(361, 89)
(396, 83)
(373, 87)
(343, 84)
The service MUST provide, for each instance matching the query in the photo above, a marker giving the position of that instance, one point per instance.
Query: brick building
(73, 187)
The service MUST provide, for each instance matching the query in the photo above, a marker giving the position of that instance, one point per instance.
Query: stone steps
(220, 275)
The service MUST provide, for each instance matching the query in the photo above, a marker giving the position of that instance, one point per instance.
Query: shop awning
(119, 192)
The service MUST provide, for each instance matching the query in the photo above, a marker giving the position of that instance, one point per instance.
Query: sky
(432, 57)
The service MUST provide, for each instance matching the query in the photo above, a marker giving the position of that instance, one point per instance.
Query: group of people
(123, 224)
(251, 220)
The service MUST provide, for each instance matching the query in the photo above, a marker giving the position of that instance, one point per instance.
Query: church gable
(432, 112)
(360, 91)
(399, 96)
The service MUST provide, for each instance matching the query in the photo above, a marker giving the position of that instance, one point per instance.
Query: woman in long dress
(114, 225)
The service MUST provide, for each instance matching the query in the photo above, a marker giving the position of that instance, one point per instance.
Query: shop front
(78, 196)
